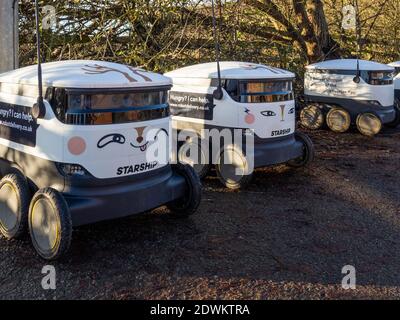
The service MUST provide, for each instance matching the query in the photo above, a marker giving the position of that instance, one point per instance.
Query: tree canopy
(164, 34)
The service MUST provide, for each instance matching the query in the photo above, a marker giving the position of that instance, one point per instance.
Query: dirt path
(287, 236)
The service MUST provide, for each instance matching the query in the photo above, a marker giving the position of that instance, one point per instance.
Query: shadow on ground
(287, 236)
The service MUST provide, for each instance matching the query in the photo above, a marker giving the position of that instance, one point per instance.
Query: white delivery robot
(349, 91)
(81, 154)
(396, 66)
(254, 98)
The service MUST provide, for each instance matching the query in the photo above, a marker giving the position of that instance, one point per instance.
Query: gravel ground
(286, 237)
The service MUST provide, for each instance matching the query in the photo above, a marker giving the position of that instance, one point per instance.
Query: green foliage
(164, 34)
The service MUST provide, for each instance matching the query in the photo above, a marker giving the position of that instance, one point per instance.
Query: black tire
(188, 204)
(53, 239)
(201, 169)
(312, 117)
(14, 205)
(242, 184)
(395, 123)
(308, 151)
(231, 180)
(338, 120)
(368, 124)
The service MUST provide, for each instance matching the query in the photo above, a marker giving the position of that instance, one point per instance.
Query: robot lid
(349, 64)
(396, 66)
(86, 74)
(231, 70)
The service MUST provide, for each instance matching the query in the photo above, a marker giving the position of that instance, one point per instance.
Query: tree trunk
(327, 47)
(8, 35)
(309, 29)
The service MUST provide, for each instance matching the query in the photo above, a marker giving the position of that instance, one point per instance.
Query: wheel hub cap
(8, 207)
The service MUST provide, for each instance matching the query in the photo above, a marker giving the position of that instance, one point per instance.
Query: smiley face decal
(249, 118)
(140, 138)
(139, 144)
(268, 113)
(111, 138)
(139, 141)
(283, 112)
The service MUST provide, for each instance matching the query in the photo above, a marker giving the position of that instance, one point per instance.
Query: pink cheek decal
(250, 118)
(76, 146)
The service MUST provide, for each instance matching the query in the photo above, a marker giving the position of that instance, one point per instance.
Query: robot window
(110, 108)
(265, 91)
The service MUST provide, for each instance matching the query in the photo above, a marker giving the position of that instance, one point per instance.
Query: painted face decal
(140, 139)
(283, 112)
(76, 146)
(268, 113)
(250, 118)
(111, 138)
(98, 69)
(158, 133)
(136, 71)
(250, 66)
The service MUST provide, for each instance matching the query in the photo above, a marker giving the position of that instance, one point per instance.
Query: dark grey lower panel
(276, 152)
(397, 94)
(355, 107)
(267, 152)
(89, 205)
(91, 199)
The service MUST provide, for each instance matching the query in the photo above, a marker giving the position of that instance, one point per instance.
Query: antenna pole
(39, 109)
(358, 35)
(15, 55)
(40, 81)
(218, 94)
(358, 29)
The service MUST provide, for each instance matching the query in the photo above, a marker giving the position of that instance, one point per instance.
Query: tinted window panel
(102, 118)
(265, 91)
(266, 98)
(106, 101)
(265, 87)
(380, 78)
(232, 88)
(113, 108)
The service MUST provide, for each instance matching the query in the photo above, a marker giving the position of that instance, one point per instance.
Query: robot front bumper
(276, 151)
(98, 200)
(386, 115)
